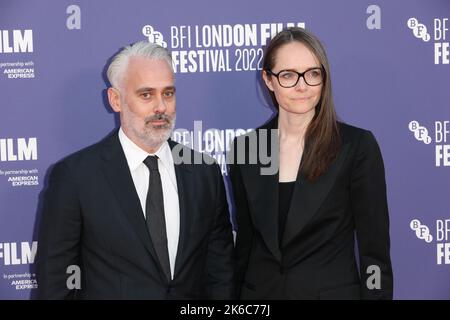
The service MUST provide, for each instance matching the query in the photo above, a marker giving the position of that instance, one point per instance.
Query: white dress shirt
(140, 173)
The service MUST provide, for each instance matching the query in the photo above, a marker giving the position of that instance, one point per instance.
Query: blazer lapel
(308, 196)
(263, 191)
(264, 197)
(119, 177)
(185, 186)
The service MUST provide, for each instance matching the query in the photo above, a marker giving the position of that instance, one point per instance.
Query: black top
(284, 203)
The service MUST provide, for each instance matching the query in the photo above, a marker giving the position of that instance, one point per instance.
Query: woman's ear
(114, 99)
(267, 80)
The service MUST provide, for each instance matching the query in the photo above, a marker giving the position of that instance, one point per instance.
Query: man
(136, 224)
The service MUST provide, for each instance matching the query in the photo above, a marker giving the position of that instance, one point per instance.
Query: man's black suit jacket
(92, 218)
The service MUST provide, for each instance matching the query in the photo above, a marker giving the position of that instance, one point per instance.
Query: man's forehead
(149, 72)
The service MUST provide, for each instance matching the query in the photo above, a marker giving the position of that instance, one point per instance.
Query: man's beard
(154, 135)
(151, 136)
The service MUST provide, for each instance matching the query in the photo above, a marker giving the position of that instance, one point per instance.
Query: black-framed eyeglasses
(290, 78)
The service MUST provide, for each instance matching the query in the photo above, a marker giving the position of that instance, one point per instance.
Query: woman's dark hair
(322, 139)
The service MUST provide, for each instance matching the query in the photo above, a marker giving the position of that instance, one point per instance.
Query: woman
(296, 228)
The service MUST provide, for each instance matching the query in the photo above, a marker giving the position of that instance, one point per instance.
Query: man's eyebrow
(144, 89)
(170, 88)
(149, 89)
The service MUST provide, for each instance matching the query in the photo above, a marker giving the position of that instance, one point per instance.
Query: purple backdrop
(390, 71)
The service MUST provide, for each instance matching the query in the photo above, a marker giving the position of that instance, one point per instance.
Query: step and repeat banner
(390, 64)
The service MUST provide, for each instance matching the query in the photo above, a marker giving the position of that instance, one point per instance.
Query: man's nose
(160, 106)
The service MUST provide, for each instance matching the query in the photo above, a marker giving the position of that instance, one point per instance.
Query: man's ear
(114, 99)
(268, 80)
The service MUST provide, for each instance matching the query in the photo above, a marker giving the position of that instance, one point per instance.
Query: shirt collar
(135, 155)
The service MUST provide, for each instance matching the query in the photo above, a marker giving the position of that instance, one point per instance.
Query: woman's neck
(293, 126)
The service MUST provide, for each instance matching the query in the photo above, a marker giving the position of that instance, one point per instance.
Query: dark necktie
(154, 213)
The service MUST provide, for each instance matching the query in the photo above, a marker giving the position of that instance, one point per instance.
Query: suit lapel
(185, 186)
(308, 196)
(119, 177)
(264, 197)
(263, 191)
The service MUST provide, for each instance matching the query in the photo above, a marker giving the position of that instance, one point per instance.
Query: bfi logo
(441, 135)
(441, 46)
(442, 238)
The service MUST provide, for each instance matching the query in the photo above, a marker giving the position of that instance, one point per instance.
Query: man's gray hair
(119, 63)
